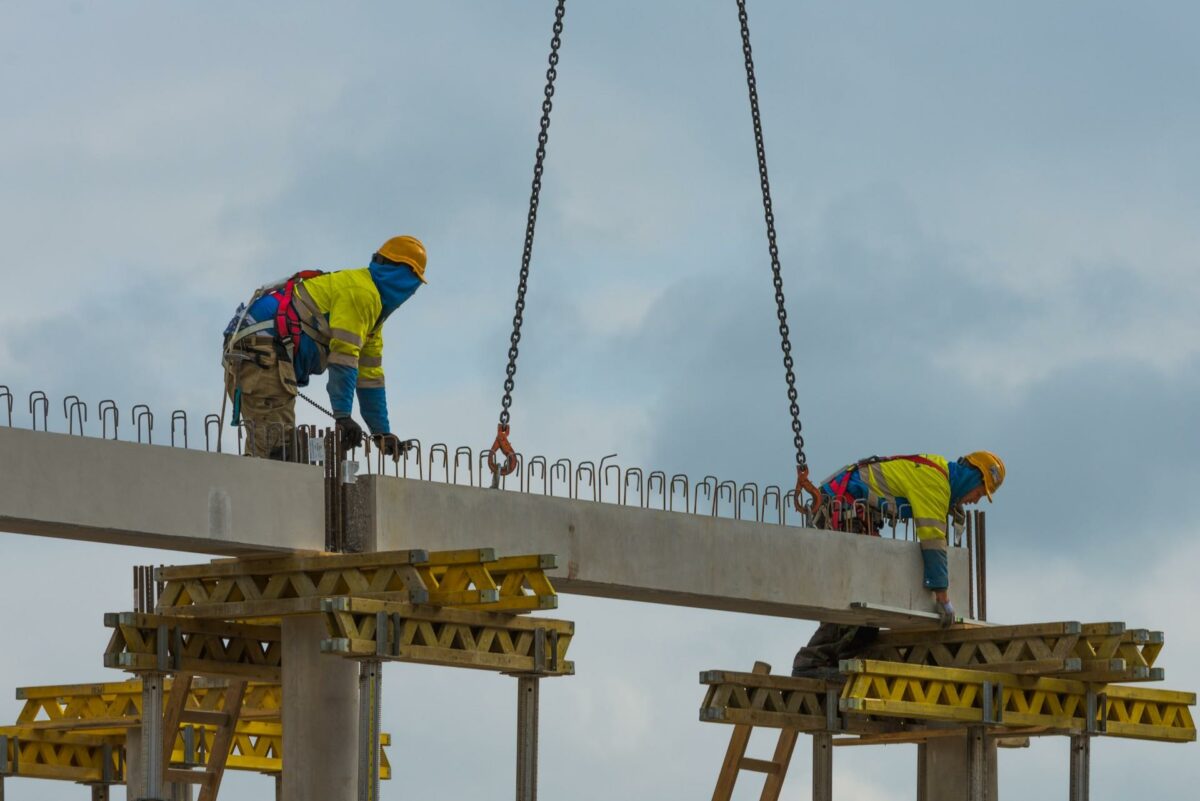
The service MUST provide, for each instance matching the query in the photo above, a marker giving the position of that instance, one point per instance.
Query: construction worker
(925, 488)
(310, 323)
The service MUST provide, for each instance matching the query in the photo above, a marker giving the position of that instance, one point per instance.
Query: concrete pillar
(1081, 766)
(320, 715)
(527, 737)
(945, 768)
(822, 775)
(135, 776)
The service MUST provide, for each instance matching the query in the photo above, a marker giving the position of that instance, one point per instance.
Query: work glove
(390, 445)
(945, 609)
(349, 432)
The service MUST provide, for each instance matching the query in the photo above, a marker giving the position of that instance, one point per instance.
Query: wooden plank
(215, 769)
(270, 564)
(981, 633)
(896, 617)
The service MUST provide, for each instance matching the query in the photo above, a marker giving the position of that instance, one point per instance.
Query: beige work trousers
(268, 401)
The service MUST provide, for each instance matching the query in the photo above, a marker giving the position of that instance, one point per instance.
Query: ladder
(176, 714)
(776, 767)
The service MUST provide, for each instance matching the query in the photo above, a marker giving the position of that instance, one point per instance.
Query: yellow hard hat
(406, 250)
(992, 468)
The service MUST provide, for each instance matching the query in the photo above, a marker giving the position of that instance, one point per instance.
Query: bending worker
(314, 322)
(925, 488)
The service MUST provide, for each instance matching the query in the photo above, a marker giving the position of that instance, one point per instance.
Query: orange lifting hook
(510, 457)
(803, 483)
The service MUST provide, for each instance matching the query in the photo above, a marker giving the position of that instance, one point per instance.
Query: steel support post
(370, 706)
(922, 772)
(99, 792)
(152, 736)
(527, 737)
(1081, 766)
(977, 778)
(278, 788)
(1, 787)
(822, 775)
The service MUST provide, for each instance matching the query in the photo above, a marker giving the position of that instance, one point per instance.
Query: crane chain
(535, 190)
(769, 215)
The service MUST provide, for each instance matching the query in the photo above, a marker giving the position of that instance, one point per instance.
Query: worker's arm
(930, 501)
(372, 397)
(350, 319)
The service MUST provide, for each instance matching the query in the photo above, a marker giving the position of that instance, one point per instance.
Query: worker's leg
(823, 647)
(267, 402)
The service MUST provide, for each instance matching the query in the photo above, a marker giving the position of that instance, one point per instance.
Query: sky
(986, 224)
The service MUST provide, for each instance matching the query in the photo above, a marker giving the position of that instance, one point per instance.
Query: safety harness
(287, 322)
(840, 481)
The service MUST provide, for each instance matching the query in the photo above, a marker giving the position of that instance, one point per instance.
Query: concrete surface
(85, 488)
(320, 716)
(635, 554)
(942, 770)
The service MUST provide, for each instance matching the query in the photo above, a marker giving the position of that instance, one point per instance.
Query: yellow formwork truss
(118, 705)
(1097, 652)
(979, 697)
(370, 629)
(99, 758)
(263, 587)
(179, 644)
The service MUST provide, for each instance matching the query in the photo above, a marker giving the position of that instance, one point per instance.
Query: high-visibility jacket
(916, 486)
(341, 317)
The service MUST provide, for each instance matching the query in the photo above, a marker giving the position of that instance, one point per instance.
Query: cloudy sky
(987, 226)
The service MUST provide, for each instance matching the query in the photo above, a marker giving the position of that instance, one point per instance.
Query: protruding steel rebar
(603, 472)
(142, 412)
(537, 461)
(434, 450)
(679, 479)
(210, 420)
(630, 473)
(464, 450)
(6, 395)
(38, 398)
(105, 407)
(74, 409)
(179, 416)
(662, 487)
(590, 468)
(565, 465)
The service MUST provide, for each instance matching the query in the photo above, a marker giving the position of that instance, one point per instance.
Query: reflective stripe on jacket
(346, 308)
(925, 489)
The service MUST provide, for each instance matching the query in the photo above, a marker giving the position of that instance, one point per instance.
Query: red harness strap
(840, 484)
(287, 319)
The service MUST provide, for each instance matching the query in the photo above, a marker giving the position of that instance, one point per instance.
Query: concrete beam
(612, 551)
(84, 488)
(185, 500)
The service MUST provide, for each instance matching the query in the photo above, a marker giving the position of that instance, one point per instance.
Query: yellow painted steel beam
(366, 628)
(85, 756)
(165, 644)
(274, 586)
(1086, 652)
(66, 756)
(118, 705)
(961, 695)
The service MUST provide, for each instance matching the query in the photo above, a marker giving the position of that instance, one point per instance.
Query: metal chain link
(319, 406)
(535, 190)
(769, 215)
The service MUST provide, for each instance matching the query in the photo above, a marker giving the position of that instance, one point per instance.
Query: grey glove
(945, 611)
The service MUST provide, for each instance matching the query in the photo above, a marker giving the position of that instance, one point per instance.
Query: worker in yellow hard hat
(311, 323)
(925, 488)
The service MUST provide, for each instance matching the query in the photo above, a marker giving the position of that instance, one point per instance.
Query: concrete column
(320, 715)
(527, 737)
(135, 776)
(1081, 765)
(945, 768)
(822, 775)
